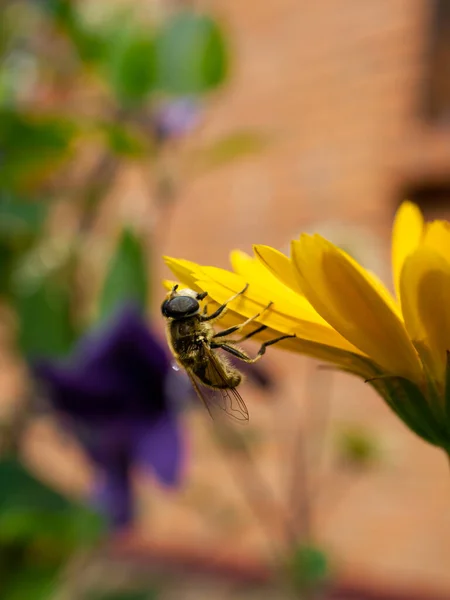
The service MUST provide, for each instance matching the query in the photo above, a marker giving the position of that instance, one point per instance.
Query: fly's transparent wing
(219, 394)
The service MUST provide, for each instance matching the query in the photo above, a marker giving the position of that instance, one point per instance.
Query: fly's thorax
(191, 328)
(187, 337)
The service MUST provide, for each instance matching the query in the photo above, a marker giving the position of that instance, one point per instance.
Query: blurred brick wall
(337, 86)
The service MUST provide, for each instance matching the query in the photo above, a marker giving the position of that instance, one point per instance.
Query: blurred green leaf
(20, 218)
(45, 319)
(31, 147)
(191, 54)
(20, 225)
(62, 11)
(88, 43)
(31, 512)
(149, 594)
(356, 447)
(124, 140)
(231, 147)
(42, 293)
(28, 581)
(308, 567)
(127, 278)
(131, 63)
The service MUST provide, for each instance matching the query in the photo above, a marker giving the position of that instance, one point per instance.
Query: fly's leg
(236, 328)
(251, 334)
(223, 308)
(245, 357)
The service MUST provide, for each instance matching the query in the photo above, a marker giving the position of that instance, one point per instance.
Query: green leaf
(20, 218)
(308, 567)
(31, 512)
(131, 64)
(42, 293)
(191, 54)
(356, 447)
(418, 412)
(29, 581)
(149, 594)
(232, 147)
(126, 278)
(87, 42)
(31, 147)
(45, 321)
(124, 140)
(20, 225)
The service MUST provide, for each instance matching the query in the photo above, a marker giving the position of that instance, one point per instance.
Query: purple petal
(118, 369)
(125, 336)
(159, 446)
(112, 495)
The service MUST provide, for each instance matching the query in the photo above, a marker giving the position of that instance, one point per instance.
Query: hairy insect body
(195, 345)
(189, 339)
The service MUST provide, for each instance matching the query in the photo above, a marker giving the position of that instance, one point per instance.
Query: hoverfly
(194, 344)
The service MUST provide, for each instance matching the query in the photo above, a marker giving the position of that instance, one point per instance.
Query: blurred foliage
(31, 511)
(43, 295)
(52, 333)
(79, 99)
(357, 448)
(31, 147)
(308, 568)
(71, 86)
(235, 145)
(39, 529)
(191, 54)
(127, 277)
(132, 65)
(21, 223)
(140, 595)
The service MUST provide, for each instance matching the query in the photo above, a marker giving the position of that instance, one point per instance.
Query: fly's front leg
(245, 357)
(223, 308)
(236, 328)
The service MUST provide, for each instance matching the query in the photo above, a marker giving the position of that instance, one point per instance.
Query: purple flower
(117, 392)
(176, 118)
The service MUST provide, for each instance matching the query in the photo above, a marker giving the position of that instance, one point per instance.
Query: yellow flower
(344, 315)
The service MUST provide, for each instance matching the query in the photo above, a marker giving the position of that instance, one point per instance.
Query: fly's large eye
(180, 307)
(164, 308)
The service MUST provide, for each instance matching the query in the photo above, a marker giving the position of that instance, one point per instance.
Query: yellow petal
(437, 237)
(342, 359)
(256, 274)
(282, 267)
(425, 297)
(281, 316)
(279, 265)
(249, 268)
(374, 282)
(407, 233)
(345, 357)
(183, 271)
(352, 305)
